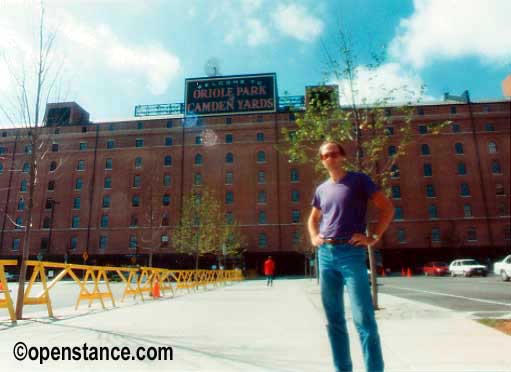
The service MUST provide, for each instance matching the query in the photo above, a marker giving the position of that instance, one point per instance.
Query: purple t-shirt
(343, 205)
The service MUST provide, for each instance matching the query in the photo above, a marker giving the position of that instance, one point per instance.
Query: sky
(111, 55)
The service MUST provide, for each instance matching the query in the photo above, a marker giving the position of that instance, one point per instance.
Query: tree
(365, 128)
(34, 86)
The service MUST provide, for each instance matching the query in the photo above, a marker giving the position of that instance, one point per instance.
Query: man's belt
(336, 240)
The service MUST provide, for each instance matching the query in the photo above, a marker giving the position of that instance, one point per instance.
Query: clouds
(450, 29)
(296, 21)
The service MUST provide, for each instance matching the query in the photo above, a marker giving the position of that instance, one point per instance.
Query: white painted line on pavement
(450, 295)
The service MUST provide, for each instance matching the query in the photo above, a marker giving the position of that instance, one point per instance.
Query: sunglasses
(333, 155)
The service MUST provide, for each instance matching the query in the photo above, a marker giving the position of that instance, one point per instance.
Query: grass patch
(503, 325)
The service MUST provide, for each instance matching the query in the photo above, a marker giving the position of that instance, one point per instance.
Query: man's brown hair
(339, 146)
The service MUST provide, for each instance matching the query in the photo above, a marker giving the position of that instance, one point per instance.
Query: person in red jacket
(269, 271)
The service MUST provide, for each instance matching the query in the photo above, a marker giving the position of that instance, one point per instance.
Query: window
(84, 129)
(389, 131)
(295, 196)
(106, 201)
(295, 175)
(138, 162)
(495, 167)
(110, 144)
(197, 179)
(425, 149)
(388, 112)
(137, 180)
(53, 166)
(291, 136)
(228, 121)
(396, 192)
(108, 164)
(166, 180)
(261, 218)
(507, 234)
(229, 158)
(51, 185)
(467, 210)
(28, 149)
(229, 197)
(1, 168)
(23, 186)
(108, 182)
(229, 218)
(435, 235)
(140, 125)
(26, 168)
(423, 129)
(295, 216)
(81, 165)
(73, 242)
(104, 221)
(464, 189)
(166, 200)
(16, 244)
(76, 203)
(168, 141)
(19, 224)
(133, 242)
(260, 137)
(228, 138)
(103, 242)
(401, 235)
(430, 191)
(455, 128)
(198, 140)
(462, 170)
(78, 184)
(83, 146)
(262, 241)
(492, 147)
(135, 201)
(261, 177)
(165, 220)
(453, 109)
(139, 142)
(472, 234)
(164, 240)
(458, 148)
(489, 127)
(133, 221)
(49, 203)
(392, 150)
(75, 222)
(170, 123)
(54, 147)
(394, 171)
(259, 118)
(228, 178)
(433, 211)
(4, 134)
(261, 197)
(502, 209)
(111, 127)
(499, 189)
(261, 156)
(398, 215)
(428, 170)
(167, 161)
(3, 150)
(198, 159)
(291, 117)
(420, 111)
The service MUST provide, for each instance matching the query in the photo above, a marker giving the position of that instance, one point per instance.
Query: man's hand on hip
(361, 240)
(317, 240)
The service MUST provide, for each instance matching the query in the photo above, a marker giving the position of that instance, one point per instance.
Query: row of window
(458, 149)
(464, 190)
(435, 235)
(502, 210)
(455, 128)
(495, 168)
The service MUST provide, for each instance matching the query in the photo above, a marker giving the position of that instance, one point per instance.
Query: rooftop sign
(242, 94)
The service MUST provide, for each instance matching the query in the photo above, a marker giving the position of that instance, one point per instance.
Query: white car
(503, 268)
(467, 267)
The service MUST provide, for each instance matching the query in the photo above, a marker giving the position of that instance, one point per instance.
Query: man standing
(337, 226)
(269, 271)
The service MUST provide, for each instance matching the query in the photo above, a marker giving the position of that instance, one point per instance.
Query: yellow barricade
(6, 301)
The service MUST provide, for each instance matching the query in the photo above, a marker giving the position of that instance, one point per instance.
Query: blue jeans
(344, 265)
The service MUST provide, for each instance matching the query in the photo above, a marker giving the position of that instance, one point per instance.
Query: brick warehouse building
(116, 187)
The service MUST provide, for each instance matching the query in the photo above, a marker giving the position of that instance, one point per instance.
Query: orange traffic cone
(409, 273)
(382, 271)
(403, 272)
(156, 289)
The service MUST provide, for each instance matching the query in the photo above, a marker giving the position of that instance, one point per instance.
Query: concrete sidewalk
(249, 327)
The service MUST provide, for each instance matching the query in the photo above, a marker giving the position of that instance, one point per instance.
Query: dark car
(436, 268)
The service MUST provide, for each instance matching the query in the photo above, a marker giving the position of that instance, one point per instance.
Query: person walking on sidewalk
(269, 271)
(337, 226)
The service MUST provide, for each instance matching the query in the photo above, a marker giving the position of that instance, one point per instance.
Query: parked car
(436, 268)
(467, 267)
(503, 268)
